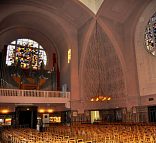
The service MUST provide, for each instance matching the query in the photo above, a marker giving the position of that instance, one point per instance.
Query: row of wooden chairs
(111, 133)
(86, 133)
(33, 136)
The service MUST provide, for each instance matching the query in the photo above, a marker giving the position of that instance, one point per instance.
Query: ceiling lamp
(99, 96)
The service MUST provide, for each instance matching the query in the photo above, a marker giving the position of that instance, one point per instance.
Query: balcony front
(33, 96)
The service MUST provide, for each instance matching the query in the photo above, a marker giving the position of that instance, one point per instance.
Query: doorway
(152, 113)
(26, 116)
(95, 116)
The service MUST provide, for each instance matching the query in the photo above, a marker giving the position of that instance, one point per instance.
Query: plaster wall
(146, 68)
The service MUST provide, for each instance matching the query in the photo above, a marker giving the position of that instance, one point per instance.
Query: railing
(34, 93)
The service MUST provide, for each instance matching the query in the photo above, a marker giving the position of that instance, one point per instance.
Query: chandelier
(99, 96)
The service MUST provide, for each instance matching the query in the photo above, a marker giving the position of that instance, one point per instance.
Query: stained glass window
(27, 53)
(150, 35)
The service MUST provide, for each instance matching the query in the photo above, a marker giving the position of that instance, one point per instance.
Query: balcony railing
(34, 93)
(33, 96)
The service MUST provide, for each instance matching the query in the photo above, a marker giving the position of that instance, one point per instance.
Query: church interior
(77, 71)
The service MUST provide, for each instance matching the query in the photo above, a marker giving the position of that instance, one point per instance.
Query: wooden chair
(79, 140)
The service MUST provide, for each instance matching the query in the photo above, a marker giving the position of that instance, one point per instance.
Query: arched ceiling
(121, 10)
(69, 11)
(76, 14)
(73, 12)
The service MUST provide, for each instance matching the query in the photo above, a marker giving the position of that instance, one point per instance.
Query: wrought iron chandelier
(99, 96)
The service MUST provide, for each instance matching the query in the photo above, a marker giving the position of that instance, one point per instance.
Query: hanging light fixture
(99, 96)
